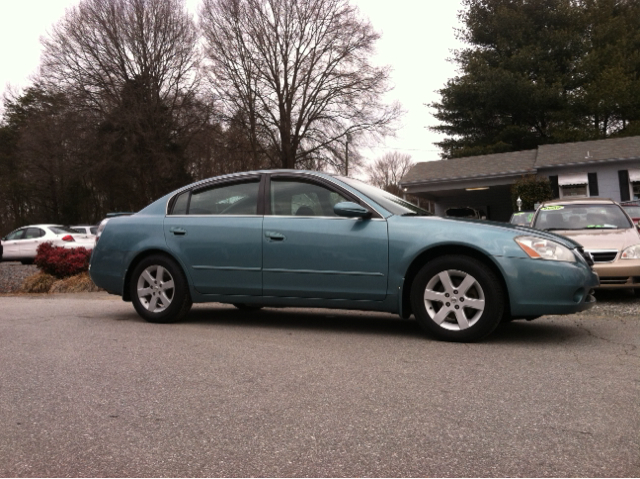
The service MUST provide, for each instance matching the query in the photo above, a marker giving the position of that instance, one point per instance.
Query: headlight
(539, 248)
(632, 252)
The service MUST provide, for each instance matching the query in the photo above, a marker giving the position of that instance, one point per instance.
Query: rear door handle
(178, 231)
(274, 236)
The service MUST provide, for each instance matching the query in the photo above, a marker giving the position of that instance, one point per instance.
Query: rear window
(61, 230)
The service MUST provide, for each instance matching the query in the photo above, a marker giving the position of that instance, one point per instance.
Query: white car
(21, 244)
(86, 229)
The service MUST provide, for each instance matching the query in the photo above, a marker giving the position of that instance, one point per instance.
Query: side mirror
(351, 210)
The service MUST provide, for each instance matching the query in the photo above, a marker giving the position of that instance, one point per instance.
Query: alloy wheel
(155, 288)
(454, 300)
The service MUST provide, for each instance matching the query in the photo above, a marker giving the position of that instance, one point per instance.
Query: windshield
(522, 218)
(581, 217)
(390, 202)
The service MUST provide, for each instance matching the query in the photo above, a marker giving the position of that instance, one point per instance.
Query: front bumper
(619, 274)
(539, 287)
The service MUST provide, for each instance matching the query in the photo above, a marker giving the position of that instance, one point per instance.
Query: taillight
(67, 238)
(101, 226)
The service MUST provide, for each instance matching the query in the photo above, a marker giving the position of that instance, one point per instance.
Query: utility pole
(346, 157)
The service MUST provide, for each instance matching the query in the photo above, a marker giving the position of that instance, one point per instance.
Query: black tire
(26, 261)
(636, 291)
(465, 315)
(248, 307)
(158, 283)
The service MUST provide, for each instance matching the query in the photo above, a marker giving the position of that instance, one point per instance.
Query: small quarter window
(180, 204)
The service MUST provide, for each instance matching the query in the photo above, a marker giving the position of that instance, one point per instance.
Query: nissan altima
(308, 239)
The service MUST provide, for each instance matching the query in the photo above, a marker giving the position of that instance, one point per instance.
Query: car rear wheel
(159, 290)
(457, 298)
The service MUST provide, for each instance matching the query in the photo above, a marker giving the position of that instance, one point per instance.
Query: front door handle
(274, 236)
(178, 231)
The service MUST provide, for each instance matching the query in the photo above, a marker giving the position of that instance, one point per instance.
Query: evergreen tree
(538, 72)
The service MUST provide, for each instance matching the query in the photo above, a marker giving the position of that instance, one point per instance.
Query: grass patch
(38, 283)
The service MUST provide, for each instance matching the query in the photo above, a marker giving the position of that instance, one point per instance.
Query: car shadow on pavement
(298, 319)
(558, 330)
(550, 330)
(516, 332)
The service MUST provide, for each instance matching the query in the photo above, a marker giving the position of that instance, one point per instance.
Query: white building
(604, 168)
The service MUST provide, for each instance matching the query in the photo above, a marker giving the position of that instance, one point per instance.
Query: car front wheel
(457, 298)
(159, 290)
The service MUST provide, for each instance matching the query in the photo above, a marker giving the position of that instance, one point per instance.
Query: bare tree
(299, 74)
(387, 171)
(131, 65)
(99, 46)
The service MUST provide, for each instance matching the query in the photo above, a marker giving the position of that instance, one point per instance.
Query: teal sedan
(309, 239)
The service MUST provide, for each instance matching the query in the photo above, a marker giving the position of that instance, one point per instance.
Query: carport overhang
(435, 188)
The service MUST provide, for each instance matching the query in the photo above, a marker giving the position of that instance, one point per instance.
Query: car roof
(241, 174)
(580, 201)
(39, 226)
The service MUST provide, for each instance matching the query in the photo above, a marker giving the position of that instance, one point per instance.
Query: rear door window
(227, 199)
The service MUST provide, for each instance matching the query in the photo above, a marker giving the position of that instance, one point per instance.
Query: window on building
(573, 185)
(634, 179)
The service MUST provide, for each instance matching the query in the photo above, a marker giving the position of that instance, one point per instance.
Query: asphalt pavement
(89, 389)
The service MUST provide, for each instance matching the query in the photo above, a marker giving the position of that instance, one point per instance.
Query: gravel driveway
(12, 274)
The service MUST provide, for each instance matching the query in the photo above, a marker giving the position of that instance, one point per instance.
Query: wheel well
(433, 253)
(126, 296)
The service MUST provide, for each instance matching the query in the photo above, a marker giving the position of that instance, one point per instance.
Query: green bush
(531, 189)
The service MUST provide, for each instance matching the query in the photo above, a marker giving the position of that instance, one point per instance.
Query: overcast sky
(417, 39)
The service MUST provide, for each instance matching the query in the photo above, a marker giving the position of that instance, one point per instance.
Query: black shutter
(593, 184)
(554, 186)
(623, 176)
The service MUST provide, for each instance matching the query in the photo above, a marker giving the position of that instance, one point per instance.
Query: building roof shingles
(517, 162)
(528, 161)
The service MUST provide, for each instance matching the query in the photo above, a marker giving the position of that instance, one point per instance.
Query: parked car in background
(523, 218)
(86, 229)
(633, 210)
(21, 244)
(606, 233)
(309, 239)
(465, 212)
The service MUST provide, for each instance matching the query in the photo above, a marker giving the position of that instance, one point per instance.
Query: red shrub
(62, 262)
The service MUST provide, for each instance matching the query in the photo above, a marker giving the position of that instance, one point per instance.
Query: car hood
(509, 228)
(604, 238)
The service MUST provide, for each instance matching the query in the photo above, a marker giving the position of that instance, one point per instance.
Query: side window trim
(215, 184)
